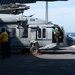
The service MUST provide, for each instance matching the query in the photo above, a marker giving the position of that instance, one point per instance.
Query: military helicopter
(27, 31)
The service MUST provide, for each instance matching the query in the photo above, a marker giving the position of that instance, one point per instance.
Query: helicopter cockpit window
(39, 33)
(44, 33)
(23, 33)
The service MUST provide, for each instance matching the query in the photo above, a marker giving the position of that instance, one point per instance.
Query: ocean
(71, 33)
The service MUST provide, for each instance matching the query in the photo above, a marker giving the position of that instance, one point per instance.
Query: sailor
(9, 43)
(56, 33)
(4, 42)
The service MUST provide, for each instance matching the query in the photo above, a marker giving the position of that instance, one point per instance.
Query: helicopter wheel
(34, 49)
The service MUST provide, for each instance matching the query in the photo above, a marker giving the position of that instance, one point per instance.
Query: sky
(59, 12)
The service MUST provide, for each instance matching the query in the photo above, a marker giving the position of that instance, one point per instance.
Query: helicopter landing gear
(34, 49)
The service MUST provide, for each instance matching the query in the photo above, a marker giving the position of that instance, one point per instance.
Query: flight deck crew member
(4, 42)
(56, 35)
(9, 43)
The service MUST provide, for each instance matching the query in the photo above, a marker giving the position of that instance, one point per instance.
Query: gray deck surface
(61, 62)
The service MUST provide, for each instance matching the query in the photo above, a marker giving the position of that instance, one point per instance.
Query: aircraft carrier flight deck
(61, 62)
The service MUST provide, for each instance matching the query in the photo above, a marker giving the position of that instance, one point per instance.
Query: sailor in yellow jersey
(4, 42)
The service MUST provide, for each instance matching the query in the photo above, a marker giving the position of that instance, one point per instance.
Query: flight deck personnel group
(4, 43)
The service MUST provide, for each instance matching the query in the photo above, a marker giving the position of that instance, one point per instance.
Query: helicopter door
(33, 34)
(44, 36)
(48, 36)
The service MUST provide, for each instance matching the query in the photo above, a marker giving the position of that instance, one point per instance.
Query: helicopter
(27, 31)
(30, 32)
